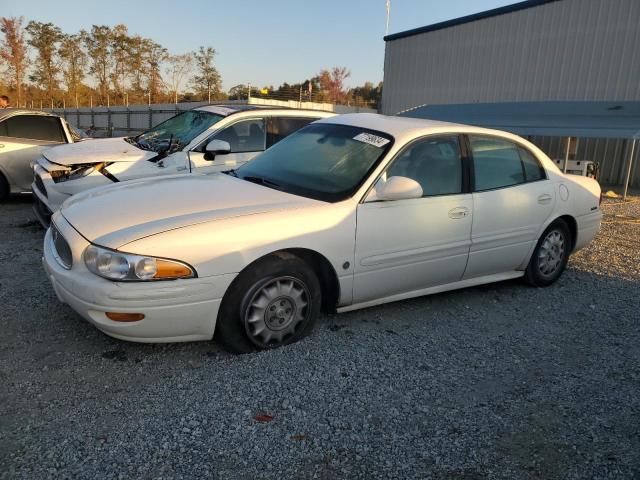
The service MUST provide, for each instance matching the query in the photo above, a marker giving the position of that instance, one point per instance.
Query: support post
(566, 155)
(628, 176)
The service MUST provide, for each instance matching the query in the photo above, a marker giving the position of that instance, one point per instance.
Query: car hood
(97, 151)
(115, 215)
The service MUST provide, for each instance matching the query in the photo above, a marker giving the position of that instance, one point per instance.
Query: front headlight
(125, 267)
(77, 171)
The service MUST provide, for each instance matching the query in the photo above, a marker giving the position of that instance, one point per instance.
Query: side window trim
(464, 164)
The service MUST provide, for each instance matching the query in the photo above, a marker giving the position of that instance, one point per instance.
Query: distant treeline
(43, 66)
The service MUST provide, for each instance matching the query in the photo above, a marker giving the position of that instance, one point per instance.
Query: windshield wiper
(233, 172)
(262, 181)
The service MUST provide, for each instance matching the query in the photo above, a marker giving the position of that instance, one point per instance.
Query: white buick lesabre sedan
(205, 139)
(349, 212)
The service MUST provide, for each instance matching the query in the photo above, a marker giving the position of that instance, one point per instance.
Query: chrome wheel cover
(276, 310)
(551, 254)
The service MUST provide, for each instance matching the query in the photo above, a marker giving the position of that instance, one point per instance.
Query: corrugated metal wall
(611, 155)
(564, 50)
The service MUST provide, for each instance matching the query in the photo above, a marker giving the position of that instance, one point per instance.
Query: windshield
(322, 161)
(179, 131)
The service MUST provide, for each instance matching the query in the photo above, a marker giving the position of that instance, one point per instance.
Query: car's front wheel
(273, 302)
(550, 256)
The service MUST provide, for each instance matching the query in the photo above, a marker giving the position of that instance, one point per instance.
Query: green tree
(207, 82)
(119, 48)
(155, 55)
(137, 66)
(13, 51)
(366, 95)
(74, 61)
(45, 37)
(97, 42)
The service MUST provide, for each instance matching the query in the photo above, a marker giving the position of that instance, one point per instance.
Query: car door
(22, 138)
(246, 138)
(511, 201)
(407, 245)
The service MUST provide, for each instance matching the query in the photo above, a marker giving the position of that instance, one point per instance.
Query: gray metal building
(537, 50)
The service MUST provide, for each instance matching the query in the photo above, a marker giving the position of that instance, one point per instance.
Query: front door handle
(458, 212)
(544, 199)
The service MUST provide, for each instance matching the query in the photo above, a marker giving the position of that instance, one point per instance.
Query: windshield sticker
(374, 140)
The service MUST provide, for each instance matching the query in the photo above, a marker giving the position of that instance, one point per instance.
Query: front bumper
(175, 311)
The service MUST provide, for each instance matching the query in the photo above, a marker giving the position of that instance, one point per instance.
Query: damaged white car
(206, 139)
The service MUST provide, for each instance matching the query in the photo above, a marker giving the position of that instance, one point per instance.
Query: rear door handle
(458, 212)
(544, 199)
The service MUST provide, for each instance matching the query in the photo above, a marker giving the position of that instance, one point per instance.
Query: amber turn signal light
(168, 269)
(124, 317)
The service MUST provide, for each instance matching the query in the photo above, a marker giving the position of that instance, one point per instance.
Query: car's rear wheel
(273, 302)
(550, 256)
(4, 188)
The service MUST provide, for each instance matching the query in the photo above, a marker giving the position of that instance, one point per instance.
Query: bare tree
(13, 51)
(207, 81)
(179, 66)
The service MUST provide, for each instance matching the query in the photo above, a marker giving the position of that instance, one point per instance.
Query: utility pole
(300, 98)
(248, 92)
(386, 32)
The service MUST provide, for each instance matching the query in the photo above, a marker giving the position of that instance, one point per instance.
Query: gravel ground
(500, 381)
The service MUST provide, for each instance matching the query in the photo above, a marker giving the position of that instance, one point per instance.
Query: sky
(260, 42)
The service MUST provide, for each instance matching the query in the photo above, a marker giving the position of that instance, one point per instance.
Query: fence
(122, 120)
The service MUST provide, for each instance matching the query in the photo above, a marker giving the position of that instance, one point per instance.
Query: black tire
(548, 260)
(284, 318)
(4, 188)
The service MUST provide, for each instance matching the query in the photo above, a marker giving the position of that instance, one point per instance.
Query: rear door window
(34, 127)
(280, 127)
(532, 168)
(496, 163)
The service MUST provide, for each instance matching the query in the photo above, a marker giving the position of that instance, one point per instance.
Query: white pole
(628, 176)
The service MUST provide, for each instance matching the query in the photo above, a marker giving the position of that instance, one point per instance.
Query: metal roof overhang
(608, 119)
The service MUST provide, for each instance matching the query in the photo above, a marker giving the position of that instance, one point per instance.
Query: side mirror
(216, 147)
(395, 188)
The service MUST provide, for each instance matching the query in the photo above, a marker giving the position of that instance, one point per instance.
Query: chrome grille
(61, 248)
(39, 184)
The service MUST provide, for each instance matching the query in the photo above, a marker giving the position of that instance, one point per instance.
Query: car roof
(231, 109)
(10, 112)
(404, 127)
